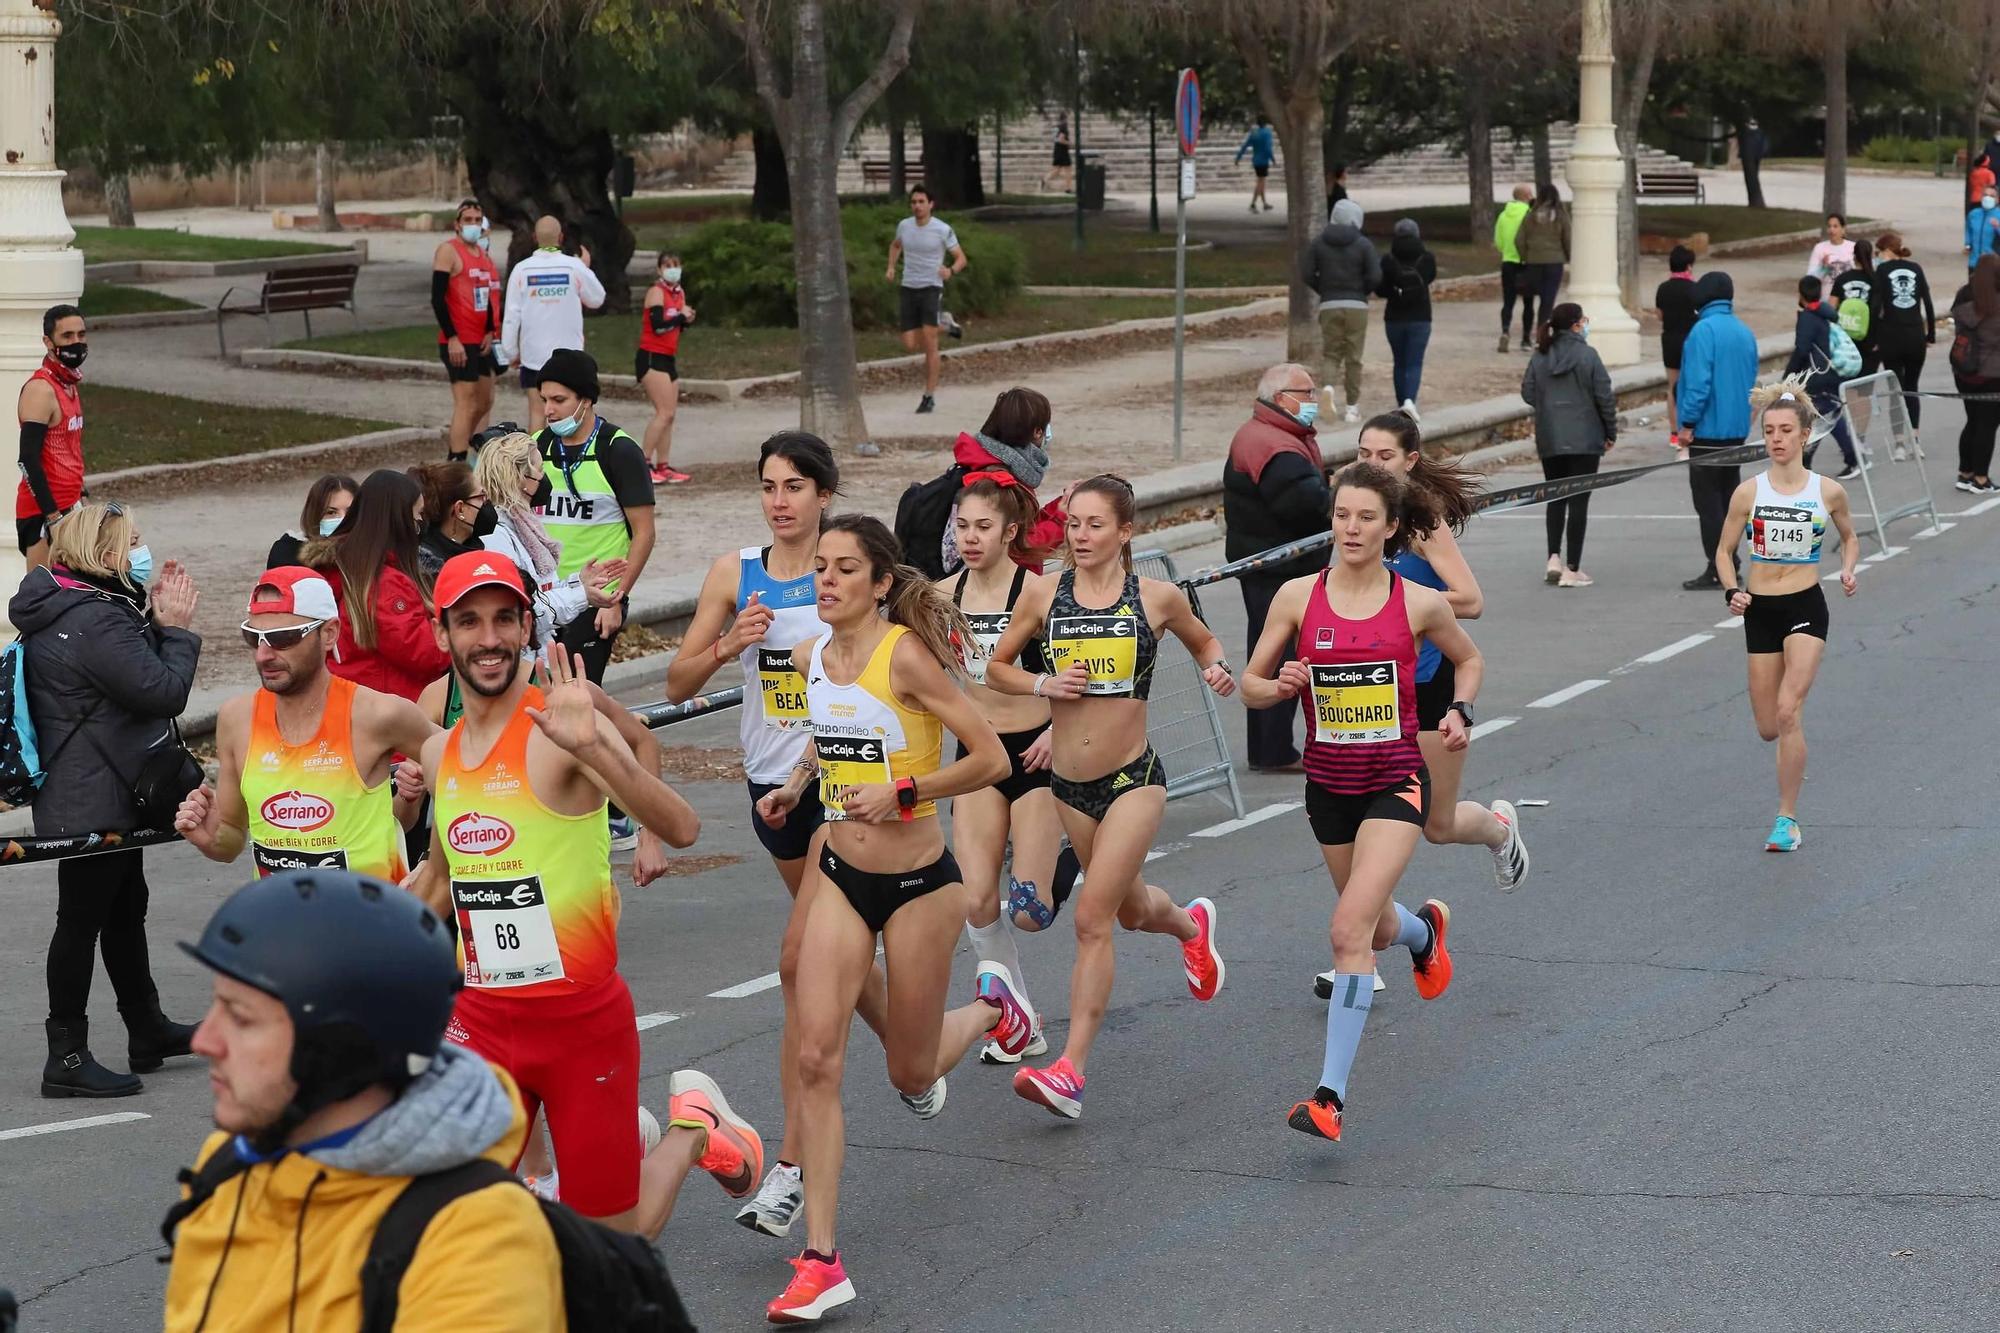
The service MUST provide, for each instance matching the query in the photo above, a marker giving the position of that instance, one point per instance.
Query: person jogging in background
(547, 294)
(1675, 301)
(1718, 370)
(656, 364)
(305, 761)
(50, 410)
(334, 1090)
(1982, 227)
(924, 241)
(1261, 144)
(1812, 364)
(1903, 321)
(520, 854)
(600, 503)
(1506, 239)
(465, 294)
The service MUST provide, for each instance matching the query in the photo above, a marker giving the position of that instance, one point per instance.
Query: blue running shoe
(1785, 835)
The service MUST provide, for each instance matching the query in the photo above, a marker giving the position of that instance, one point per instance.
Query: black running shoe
(925, 404)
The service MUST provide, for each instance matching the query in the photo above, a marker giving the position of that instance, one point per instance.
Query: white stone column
(38, 268)
(1596, 170)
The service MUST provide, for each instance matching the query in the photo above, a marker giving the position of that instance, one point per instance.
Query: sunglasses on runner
(280, 639)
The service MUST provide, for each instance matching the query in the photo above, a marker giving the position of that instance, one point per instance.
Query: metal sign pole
(1187, 130)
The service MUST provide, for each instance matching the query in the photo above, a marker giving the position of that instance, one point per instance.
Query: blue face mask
(1308, 412)
(469, 233)
(564, 428)
(139, 565)
(329, 524)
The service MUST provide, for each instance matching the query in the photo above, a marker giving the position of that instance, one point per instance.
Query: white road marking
(744, 988)
(1734, 622)
(64, 1126)
(1493, 724)
(1888, 553)
(1254, 817)
(1565, 694)
(1979, 508)
(1674, 649)
(1166, 849)
(660, 1020)
(1938, 531)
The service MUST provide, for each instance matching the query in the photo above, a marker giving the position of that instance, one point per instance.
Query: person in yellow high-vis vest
(600, 504)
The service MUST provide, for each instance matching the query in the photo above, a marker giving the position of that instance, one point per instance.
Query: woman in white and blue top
(1783, 513)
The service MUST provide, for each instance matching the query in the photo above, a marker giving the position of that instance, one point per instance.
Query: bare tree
(118, 199)
(815, 133)
(1638, 46)
(323, 180)
(1834, 37)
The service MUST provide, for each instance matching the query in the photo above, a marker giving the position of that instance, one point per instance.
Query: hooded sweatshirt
(281, 1244)
(1341, 264)
(1575, 410)
(1507, 230)
(1812, 350)
(1982, 232)
(1718, 366)
(1407, 275)
(1028, 464)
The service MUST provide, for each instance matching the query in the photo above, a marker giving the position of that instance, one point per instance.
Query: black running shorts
(1337, 819)
(1773, 619)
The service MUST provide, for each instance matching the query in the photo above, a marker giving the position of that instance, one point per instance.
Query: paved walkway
(1113, 411)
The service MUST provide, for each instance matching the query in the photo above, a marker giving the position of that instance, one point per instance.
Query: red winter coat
(1051, 524)
(405, 657)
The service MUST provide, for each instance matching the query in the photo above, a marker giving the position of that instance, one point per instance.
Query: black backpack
(612, 1280)
(921, 516)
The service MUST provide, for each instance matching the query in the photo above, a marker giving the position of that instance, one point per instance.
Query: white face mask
(670, 275)
(1990, 201)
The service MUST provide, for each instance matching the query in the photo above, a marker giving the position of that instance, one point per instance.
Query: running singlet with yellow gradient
(862, 733)
(309, 808)
(537, 910)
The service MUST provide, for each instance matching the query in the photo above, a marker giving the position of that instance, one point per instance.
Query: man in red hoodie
(1274, 491)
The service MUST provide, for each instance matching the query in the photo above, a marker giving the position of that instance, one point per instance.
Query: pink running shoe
(1017, 1023)
(1059, 1088)
(1199, 959)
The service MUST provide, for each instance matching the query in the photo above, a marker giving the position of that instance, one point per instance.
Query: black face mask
(487, 519)
(543, 492)
(72, 355)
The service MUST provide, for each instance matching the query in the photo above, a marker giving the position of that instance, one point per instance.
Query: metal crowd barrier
(1183, 723)
(1888, 416)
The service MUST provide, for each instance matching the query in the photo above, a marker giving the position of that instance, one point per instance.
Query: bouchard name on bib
(1356, 703)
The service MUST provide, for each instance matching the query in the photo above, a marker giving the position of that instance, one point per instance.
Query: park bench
(304, 289)
(875, 171)
(1672, 185)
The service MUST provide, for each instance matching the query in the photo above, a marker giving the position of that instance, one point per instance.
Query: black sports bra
(990, 625)
(1116, 643)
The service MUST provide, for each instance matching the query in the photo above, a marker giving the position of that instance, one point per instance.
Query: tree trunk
(563, 170)
(951, 166)
(323, 179)
(1833, 197)
(1637, 77)
(899, 161)
(770, 188)
(1301, 130)
(1479, 157)
(1341, 110)
(1545, 166)
(118, 199)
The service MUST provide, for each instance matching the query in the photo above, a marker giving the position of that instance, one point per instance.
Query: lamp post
(1596, 170)
(38, 268)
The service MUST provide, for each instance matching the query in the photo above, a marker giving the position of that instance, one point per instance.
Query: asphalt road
(1678, 1083)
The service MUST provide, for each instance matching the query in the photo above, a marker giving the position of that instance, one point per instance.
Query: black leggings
(1982, 420)
(100, 903)
(1903, 355)
(1573, 513)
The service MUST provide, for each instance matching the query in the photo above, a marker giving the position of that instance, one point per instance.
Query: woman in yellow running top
(881, 685)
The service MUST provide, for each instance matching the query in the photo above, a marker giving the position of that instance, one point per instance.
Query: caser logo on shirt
(476, 834)
(298, 811)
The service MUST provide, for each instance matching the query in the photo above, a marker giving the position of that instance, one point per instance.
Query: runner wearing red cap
(520, 858)
(306, 759)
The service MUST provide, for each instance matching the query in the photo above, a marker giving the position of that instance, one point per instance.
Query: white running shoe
(1323, 985)
(649, 1132)
(928, 1105)
(1510, 858)
(777, 1203)
(991, 1054)
(1353, 412)
(1410, 411)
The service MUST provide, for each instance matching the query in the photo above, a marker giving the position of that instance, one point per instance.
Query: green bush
(743, 269)
(1899, 148)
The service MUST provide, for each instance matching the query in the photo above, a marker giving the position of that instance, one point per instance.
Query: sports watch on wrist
(1463, 709)
(906, 797)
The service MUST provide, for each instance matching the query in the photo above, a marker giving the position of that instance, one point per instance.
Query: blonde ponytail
(913, 601)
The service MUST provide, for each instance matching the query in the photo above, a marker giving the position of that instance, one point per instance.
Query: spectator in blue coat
(1718, 370)
(1261, 144)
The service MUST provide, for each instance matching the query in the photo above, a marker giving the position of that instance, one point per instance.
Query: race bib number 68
(506, 932)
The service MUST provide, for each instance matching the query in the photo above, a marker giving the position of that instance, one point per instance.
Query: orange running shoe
(817, 1286)
(1433, 970)
(734, 1155)
(1199, 960)
(1319, 1117)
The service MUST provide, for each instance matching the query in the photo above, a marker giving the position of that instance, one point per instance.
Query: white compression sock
(995, 944)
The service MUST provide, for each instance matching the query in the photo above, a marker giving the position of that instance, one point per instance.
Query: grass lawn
(110, 298)
(720, 352)
(128, 428)
(106, 244)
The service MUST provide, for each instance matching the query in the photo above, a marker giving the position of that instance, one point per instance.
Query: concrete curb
(372, 440)
(395, 367)
(159, 270)
(153, 319)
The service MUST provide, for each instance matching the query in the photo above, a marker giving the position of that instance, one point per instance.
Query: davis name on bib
(1106, 645)
(1356, 703)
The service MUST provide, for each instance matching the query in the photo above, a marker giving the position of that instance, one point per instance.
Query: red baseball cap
(477, 569)
(294, 590)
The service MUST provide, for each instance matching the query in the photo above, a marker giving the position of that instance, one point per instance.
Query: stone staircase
(1120, 143)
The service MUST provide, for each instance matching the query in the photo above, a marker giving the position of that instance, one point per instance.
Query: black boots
(72, 1072)
(152, 1038)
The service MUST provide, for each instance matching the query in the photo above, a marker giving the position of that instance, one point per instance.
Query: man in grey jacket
(1342, 267)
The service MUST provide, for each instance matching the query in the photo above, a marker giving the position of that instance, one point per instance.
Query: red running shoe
(1433, 970)
(817, 1286)
(1318, 1117)
(1199, 960)
(734, 1155)
(1058, 1087)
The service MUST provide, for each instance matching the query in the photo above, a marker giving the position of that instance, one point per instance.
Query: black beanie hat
(1709, 287)
(575, 370)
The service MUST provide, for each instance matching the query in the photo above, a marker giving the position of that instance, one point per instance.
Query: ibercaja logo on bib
(475, 834)
(298, 811)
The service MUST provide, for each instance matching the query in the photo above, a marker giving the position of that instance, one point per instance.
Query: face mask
(330, 524)
(1583, 330)
(670, 275)
(1990, 201)
(469, 233)
(1308, 412)
(72, 356)
(139, 565)
(1048, 436)
(565, 428)
(543, 490)
(487, 519)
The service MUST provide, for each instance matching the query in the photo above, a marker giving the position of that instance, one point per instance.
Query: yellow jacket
(280, 1245)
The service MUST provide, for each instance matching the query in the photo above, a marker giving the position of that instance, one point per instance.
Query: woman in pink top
(1834, 255)
(1344, 642)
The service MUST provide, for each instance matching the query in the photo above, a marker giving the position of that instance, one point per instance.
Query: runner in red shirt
(51, 416)
(667, 313)
(465, 297)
